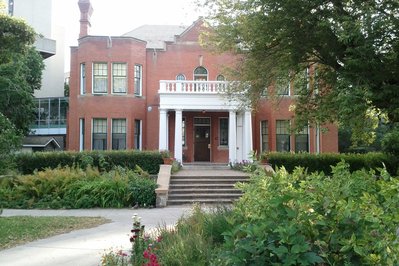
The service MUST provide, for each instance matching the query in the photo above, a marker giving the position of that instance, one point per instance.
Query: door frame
(209, 125)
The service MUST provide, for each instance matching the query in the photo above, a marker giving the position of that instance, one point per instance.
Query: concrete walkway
(85, 247)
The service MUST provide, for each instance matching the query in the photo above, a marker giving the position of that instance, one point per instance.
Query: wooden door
(202, 141)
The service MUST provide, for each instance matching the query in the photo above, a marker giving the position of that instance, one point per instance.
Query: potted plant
(166, 157)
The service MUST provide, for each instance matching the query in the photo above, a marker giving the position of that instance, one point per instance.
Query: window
(223, 131)
(11, 7)
(81, 134)
(119, 81)
(283, 135)
(180, 77)
(137, 134)
(200, 74)
(119, 134)
(99, 134)
(100, 78)
(264, 135)
(138, 80)
(302, 140)
(184, 131)
(220, 78)
(83, 78)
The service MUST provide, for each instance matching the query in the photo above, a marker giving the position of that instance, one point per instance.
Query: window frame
(287, 135)
(226, 142)
(138, 79)
(180, 77)
(93, 132)
(197, 77)
(83, 90)
(113, 134)
(299, 134)
(138, 137)
(264, 135)
(114, 76)
(104, 76)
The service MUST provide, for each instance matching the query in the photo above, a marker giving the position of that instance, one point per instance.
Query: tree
(21, 67)
(350, 46)
(9, 141)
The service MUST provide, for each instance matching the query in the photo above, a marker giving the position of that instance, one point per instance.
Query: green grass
(17, 230)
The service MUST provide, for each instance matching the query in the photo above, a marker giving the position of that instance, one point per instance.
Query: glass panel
(180, 77)
(265, 135)
(44, 113)
(137, 79)
(54, 112)
(119, 134)
(119, 81)
(82, 79)
(302, 140)
(100, 80)
(202, 121)
(99, 134)
(63, 111)
(283, 135)
(224, 132)
(137, 134)
(220, 78)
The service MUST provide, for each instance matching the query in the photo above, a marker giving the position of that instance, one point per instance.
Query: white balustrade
(191, 86)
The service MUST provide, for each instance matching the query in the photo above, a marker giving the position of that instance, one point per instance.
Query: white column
(178, 136)
(163, 127)
(247, 135)
(232, 137)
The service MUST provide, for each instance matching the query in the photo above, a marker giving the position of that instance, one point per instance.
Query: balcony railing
(191, 86)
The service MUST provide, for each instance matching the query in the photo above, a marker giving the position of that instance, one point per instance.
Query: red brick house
(156, 88)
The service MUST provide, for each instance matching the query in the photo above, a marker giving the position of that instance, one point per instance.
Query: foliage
(351, 48)
(194, 239)
(149, 161)
(9, 141)
(76, 188)
(322, 162)
(390, 142)
(18, 230)
(308, 219)
(21, 69)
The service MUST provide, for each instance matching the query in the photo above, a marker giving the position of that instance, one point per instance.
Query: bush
(390, 142)
(300, 219)
(76, 188)
(149, 161)
(322, 162)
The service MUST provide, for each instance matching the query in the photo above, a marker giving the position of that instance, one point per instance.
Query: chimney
(86, 10)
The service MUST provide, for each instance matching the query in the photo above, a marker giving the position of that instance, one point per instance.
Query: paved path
(85, 247)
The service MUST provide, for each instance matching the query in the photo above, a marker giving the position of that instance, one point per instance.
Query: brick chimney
(86, 10)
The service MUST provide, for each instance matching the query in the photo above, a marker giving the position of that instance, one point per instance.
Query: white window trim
(112, 79)
(112, 131)
(92, 129)
(92, 79)
(261, 135)
(83, 82)
(140, 136)
(141, 80)
(81, 134)
(219, 145)
(207, 72)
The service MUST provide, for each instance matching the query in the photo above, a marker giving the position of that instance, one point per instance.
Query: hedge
(149, 161)
(323, 162)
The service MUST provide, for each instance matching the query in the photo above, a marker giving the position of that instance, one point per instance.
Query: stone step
(201, 201)
(204, 196)
(207, 181)
(231, 177)
(205, 185)
(206, 166)
(176, 191)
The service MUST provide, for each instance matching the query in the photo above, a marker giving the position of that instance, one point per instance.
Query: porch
(197, 120)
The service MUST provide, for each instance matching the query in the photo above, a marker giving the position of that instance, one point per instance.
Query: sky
(116, 17)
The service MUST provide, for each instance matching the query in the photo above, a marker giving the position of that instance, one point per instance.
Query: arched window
(220, 78)
(200, 73)
(180, 77)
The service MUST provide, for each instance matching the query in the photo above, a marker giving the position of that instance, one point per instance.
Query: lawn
(18, 230)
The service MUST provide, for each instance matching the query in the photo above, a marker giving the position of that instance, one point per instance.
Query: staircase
(205, 183)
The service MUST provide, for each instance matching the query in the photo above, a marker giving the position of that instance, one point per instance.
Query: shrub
(76, 188)
(322, 162)
(301, 219)
(390, 142)
(27, 163)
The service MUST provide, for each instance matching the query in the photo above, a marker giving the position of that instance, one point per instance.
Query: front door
(202, 149)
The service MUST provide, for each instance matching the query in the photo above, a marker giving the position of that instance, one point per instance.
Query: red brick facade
(179, 57)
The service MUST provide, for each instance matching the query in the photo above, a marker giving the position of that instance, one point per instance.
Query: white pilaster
(163, 127)
(247, 136)
(178, 136)
(232, 137)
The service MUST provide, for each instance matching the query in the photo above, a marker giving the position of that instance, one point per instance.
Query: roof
(39, 141)
(156, 35)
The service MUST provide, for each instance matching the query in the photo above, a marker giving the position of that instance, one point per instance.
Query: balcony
(195, 95)
(192, 87)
